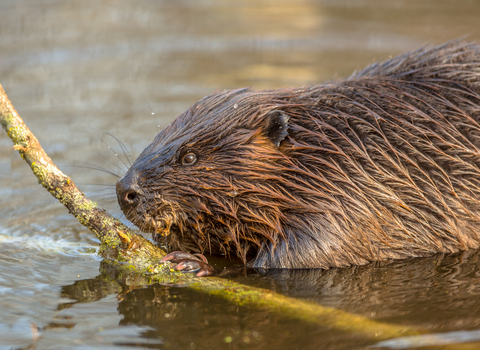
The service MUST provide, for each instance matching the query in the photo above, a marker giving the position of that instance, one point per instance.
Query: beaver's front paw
(190, 263)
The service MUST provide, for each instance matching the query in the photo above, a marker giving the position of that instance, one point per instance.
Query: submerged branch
(139, 258)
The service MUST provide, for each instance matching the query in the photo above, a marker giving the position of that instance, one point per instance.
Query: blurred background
(77, 71)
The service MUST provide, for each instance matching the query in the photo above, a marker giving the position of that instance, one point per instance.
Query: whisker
(109, 185)
(110, 148)
(151, 110)
(98, 168)
(115, 165)
(124, 148)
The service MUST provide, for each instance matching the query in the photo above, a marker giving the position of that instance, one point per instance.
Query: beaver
(383, 165)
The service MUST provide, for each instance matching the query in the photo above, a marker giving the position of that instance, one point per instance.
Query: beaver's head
(211, 181)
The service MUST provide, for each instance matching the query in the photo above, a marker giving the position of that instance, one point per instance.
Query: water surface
(77, 69)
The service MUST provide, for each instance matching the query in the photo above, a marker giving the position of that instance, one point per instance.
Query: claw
(179, 256)
(204, 272)
(188, 266)
(190, 263)
(201, 256)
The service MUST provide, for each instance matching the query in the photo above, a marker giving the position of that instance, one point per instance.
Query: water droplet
(235, 106)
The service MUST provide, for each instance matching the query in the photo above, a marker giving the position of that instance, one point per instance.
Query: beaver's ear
(276, 126)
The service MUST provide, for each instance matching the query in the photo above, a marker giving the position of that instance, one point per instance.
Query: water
(77, 69)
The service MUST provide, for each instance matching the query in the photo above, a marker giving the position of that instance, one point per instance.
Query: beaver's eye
(189, 159)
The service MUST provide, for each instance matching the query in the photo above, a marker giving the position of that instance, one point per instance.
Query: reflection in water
(434, 294)
(429, 293)
(430, 340)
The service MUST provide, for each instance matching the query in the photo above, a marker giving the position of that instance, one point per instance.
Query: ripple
(430, 340)
(46, 244)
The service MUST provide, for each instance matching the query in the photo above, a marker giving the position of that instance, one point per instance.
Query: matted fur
(383, 165)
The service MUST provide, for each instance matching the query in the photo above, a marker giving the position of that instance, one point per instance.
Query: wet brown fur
(384, 165)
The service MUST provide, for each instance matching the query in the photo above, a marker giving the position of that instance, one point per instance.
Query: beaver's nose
(128, 192)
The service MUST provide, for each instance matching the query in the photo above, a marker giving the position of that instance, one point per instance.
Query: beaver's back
(397, 149)
(383, 165)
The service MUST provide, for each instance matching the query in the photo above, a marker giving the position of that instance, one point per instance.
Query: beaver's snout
(128, 192)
